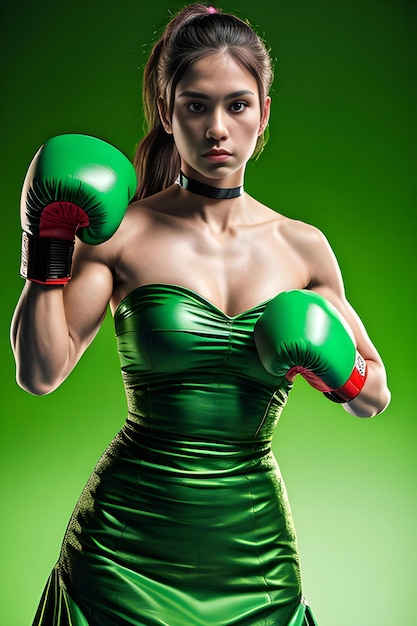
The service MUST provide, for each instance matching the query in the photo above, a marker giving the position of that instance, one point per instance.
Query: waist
(183, 456)
(206, 407)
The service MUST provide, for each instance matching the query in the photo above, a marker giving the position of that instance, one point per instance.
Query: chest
(234, 270)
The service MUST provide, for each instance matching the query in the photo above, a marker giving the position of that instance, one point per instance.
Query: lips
(214, 153)
(217, 156)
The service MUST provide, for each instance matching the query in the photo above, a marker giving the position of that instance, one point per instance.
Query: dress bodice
(189, 368)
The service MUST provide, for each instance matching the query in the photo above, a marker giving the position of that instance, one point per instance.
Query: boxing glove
(300, 332)
(75, 184)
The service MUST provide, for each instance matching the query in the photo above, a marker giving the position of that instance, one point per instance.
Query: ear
(163, 114)
(265, 115)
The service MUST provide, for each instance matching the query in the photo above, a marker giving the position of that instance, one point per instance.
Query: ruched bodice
(185, 518)
(190, 369)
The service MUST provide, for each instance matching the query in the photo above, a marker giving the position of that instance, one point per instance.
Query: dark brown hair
(192, 34)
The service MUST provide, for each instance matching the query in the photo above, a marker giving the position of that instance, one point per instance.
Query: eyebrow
(203, 96)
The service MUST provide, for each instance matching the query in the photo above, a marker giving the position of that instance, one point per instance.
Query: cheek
(248, 133)
(181, 138)
(185, 135)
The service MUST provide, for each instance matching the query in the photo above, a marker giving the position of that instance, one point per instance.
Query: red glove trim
(353, 385)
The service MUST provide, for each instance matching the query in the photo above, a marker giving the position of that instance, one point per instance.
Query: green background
(342, 156)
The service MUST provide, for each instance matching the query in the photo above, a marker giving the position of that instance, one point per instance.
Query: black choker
(207, 190)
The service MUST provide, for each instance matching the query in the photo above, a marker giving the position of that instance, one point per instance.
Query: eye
(195, 107)
(239, 106)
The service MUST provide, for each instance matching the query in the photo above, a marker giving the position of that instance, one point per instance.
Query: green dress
(185, 519)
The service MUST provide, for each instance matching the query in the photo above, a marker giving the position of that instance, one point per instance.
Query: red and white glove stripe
(353, 385)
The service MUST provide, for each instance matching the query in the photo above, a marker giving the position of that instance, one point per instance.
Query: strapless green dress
(185, 519)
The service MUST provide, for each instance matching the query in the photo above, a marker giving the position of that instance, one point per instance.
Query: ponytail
(157, 161)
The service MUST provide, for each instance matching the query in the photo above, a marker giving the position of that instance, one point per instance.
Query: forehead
(215, 73)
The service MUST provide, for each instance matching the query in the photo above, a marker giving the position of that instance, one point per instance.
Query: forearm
(374, 396)
(40, 339)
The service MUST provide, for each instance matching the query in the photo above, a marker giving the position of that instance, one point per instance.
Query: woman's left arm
(326, 279)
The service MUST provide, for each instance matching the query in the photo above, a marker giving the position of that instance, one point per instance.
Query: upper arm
(326, 279)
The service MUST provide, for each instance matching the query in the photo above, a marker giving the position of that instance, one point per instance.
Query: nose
(217, 126)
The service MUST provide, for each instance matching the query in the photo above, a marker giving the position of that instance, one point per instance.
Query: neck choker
(201, 189)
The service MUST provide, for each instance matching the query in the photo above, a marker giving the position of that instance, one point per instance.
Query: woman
(218, 303)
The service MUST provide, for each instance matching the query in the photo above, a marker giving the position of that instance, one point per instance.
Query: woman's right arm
(74, 184)
(53, 324)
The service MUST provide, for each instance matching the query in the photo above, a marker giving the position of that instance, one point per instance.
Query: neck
(217, 193)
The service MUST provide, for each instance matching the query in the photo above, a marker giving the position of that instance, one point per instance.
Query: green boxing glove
(300, 332)
(75, 184)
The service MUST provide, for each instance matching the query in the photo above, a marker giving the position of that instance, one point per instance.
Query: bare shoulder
(135, 222)
(296, 233)
(308, 246)
(316, 252)
(302, 234)
(140, 217)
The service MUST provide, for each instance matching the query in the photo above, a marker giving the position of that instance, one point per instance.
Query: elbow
(34, 385)
(365, 405)
(38, 376)
(384, 402)
(33, 389)
(374, 396)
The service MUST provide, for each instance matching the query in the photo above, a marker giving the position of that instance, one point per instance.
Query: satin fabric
(185, 519)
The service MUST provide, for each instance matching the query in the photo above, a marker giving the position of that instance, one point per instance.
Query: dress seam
(257, 555)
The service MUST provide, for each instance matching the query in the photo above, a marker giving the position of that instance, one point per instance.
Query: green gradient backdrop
(342, 156)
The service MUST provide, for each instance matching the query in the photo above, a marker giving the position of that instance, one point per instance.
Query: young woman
(218, 303)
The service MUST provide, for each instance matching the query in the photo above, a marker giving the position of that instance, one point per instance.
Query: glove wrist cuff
(353, 385)
(46, 260)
